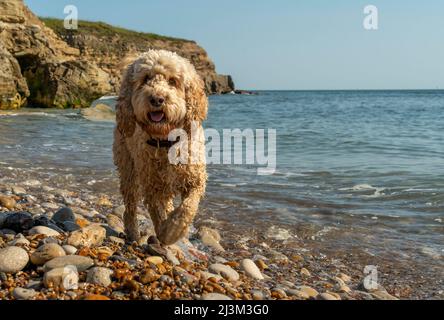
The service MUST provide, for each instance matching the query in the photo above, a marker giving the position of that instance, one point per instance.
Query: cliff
(44, 65)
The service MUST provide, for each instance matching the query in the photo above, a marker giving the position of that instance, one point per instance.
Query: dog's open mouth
(156, 116)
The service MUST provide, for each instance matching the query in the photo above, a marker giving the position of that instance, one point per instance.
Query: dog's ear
(126, 120)
(196, 98)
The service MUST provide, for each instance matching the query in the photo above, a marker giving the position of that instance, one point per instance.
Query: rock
(278, 256)
(81, 263)
(13, 259)
(257, 295)
(251, 269)
(44, 230)
(2, 219)
(278, 293)
(132, 285)
(64, 278)
(30, 48)
(34, 284)
(215, 296)
(7, 202)
(115, 223)
(82, 223)
(167, 280)
(44, 221)
(344, 277)
(184, 276)
(219, 259)
(100, 276)
(116, 47)
(90, 236)
(143, 241)
(383, 295)
(208, 275)
(210, 238)
(261, 264)
(327, 296)
(171, 257)
(297, 293)
(63, 215)
(104, 201)
(345, 289)
(339, 281)
(24, 294)
(46, 253)
(69, 250)
(19, 240)
(97, 297)
(110, 232)
(104, 253)
(48, 240)
(116, 240)
(153, 240)
(226, 271)
(18, 190)
(149, 276)
(8, 234)
(305, 272)
(69, 226)
(309, 291)
(18, 221)
(14, 88)
(119, 211)
(155, 260)
(156, 250)
(32, 183)
(50, 205)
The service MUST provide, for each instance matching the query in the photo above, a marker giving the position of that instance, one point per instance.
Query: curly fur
(145, 171)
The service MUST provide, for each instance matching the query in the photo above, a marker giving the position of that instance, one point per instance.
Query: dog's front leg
(176, 225)
(130, 221)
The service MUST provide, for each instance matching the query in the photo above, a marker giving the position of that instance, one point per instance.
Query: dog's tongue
(157, 116)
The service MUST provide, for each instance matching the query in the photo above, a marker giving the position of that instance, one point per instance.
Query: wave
(37, 114)
(378, 191)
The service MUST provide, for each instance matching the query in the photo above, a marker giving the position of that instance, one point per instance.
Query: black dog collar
(162, 143)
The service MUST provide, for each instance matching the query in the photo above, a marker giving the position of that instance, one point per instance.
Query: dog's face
(165, 91)
(158, 96)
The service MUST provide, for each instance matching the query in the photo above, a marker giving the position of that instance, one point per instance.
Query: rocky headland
(44, 65)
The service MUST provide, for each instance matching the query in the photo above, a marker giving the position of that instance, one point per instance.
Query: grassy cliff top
(102, 29)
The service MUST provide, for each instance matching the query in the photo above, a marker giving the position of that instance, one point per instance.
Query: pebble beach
(66, 245)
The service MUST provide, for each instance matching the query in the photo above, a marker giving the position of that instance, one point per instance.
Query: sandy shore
(61, 244)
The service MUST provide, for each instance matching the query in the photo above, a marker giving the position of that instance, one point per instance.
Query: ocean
(356, 170)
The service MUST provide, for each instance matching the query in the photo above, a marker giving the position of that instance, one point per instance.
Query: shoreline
(216, 264)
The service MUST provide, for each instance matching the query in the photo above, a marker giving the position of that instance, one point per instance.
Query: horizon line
(253, 90)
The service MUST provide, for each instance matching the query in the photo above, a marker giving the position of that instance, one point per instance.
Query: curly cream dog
(160, 92)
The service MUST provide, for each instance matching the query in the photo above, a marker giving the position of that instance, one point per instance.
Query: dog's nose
(157, 101)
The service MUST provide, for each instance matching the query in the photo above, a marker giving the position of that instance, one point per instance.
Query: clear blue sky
(292, 44)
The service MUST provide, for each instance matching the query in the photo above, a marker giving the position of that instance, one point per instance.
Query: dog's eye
(147, 79)
(173, 82)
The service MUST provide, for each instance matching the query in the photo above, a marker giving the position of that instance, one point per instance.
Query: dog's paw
(173, 229)
(132, 236)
